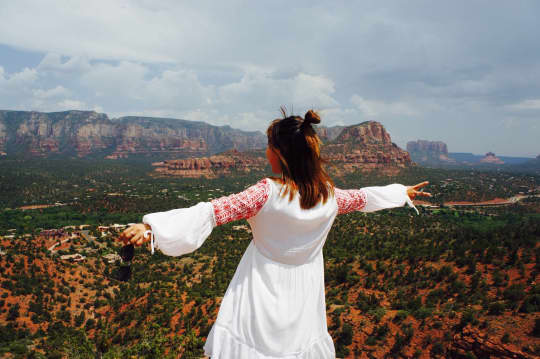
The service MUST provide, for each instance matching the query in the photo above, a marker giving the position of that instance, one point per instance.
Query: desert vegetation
(448, 283)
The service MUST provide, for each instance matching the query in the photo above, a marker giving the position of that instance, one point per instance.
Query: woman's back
(275, 305)
(286, 233)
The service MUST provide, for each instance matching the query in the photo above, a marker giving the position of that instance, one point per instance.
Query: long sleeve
(183, 230)
(370, 199)
(241, 205)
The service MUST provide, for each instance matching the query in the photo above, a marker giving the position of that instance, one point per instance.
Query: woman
(275, 305)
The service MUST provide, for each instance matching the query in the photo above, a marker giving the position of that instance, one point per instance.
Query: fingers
(421, 184)
(125, 233)
(128, 234)
(416, 194)
(122, 237)
(138, 237)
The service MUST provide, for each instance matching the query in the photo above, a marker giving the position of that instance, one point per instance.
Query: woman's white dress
(274, 306)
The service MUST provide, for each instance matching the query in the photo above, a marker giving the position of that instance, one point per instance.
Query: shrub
(13, 313)
(378, 313)
(468, 316)
(90, 323)
(345, 335)
(536, 328)
(422, 313)
(514, 292)
(496, 308)
(437, 349)
(400, 316)
(531, 304)
(434, 296)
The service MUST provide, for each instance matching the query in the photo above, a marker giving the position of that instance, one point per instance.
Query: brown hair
(298, 150)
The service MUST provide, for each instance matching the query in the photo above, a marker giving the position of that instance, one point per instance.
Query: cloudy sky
(463, 72)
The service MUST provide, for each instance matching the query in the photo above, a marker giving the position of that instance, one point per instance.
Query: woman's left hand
(416, 190)
(134, 234)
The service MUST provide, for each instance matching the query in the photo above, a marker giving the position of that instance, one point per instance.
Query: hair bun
(311, 117)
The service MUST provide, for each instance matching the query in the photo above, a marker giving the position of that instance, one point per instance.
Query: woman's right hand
(414, 191)
(134, 234)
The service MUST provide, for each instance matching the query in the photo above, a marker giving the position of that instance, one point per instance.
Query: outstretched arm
(370, 199)
(241, 205)
(183, 230)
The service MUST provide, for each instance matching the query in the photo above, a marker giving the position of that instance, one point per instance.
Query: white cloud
(375, 108)
(340, 116)
(525, 105)
(21, 79)
(260, 88)
(53, 62)
(69, 104)
(53, 92)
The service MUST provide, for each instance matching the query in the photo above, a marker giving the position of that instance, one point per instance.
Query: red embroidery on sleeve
(350, 200)
(241, 205)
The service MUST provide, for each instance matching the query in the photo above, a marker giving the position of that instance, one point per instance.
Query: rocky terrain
(88, 133)
(423, 151)
(366, 146)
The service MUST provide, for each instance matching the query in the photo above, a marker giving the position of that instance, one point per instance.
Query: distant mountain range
(88, 133)
(435, 154)
(472, 158)
(196, 147)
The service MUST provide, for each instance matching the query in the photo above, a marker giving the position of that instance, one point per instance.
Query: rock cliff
(366, 146)
(429, 152)
(87, 133)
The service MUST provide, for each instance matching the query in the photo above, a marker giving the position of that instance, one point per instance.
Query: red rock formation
(366, 146)
(491, 158)
(213, 166)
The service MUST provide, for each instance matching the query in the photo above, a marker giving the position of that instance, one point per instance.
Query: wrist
(147, 227)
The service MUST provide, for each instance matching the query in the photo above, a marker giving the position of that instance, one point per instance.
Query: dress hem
(225, 345)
